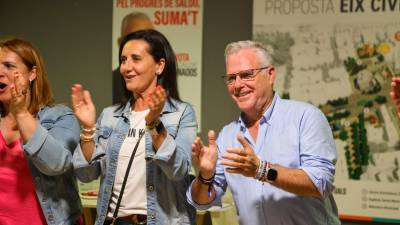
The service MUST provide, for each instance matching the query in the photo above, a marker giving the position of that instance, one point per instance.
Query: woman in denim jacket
(37, 140)
(157, 181)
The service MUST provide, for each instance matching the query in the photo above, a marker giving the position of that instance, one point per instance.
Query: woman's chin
(132, 88)
(5, 99)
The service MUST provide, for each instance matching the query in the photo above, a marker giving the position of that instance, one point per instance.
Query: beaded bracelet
(208, 182)
(85, 138)
(260, 170)
(88, 130)
(264, 173)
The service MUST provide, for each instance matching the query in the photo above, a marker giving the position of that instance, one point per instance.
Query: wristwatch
(272, 174)
(159, 127)
(155, 126)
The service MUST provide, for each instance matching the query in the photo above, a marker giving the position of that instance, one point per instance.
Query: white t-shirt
(134, 199)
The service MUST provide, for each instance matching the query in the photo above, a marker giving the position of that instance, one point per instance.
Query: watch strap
(157, 126)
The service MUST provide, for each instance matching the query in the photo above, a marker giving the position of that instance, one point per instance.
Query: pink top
(18, 201)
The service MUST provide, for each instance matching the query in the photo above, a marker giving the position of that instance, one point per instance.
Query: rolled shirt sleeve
(317, 151)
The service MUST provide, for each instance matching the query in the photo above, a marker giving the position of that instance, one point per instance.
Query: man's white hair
(263, 52)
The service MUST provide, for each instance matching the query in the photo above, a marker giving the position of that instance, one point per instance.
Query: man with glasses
(277, 157)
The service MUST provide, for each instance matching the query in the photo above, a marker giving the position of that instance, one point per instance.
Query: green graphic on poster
(342, 59)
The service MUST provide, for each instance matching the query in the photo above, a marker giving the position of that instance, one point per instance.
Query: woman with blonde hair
(37, 139)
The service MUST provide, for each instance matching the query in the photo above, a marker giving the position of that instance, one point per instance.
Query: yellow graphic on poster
(181, 21)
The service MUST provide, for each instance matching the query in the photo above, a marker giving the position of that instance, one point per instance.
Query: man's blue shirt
(292, 134)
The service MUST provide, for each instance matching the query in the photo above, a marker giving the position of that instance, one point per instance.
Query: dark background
(75, 40)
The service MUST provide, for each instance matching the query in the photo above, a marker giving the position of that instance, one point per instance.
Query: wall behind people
(74, 37)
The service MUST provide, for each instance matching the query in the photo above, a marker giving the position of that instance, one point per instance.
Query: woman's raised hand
(155, 100)
(83, 106)
(19, 94)
(395, 93)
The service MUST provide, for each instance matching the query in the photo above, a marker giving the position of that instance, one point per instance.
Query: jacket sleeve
(174, 154)
(54, 140)
(88, 171)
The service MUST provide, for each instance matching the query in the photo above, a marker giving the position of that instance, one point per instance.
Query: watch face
(160, 127)
(272, 174)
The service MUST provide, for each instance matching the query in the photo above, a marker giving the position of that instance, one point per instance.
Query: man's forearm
(295, 181)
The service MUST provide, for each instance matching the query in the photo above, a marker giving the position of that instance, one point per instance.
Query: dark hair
(159, 48)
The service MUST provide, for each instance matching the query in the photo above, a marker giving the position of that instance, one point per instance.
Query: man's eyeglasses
(245, 75)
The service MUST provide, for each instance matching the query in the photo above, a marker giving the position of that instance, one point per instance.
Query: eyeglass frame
(251, 77)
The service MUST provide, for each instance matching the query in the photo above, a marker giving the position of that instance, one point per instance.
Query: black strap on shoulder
(115, 215)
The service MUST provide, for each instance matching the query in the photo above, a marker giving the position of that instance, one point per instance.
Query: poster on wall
(181, 22)
(340, 55)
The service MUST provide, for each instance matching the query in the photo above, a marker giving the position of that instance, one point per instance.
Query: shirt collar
(126, 110)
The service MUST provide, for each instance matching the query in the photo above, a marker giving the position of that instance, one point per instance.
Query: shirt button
(258, 205)
(153, 216)
(151, 188)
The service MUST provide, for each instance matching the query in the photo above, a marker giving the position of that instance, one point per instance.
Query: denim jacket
(49, 153)
(166, 170)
